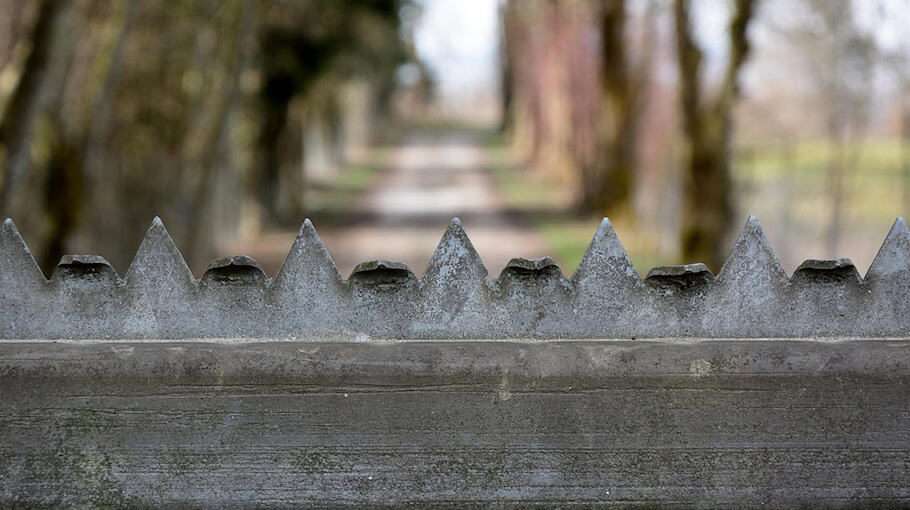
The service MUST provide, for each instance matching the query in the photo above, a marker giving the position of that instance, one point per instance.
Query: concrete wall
(753, 388)
(695, 424)
(752, 296)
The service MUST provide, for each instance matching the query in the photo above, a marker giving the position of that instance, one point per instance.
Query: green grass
(873, 180)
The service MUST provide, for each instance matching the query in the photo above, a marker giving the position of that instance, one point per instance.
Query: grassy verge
(333, 200)
(787, 187)
(545, 204)
(873, 181)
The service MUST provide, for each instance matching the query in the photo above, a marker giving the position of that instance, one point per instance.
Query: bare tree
(608, 182)
(708, 133)
(841, 60)
(233, 57)
(22, 108)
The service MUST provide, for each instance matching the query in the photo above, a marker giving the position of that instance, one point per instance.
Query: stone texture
(308, 299)
(235, 270)
(682, 389)
(888, 284)
(695, 424)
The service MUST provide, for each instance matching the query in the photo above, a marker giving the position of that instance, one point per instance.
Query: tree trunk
(72, 172)
(707, 129)
(608, 180)
(272, 128)
(618, 134)
(22, 109)
(506, 68)
(236, 58)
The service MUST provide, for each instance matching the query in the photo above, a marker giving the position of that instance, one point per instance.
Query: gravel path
(403, 215)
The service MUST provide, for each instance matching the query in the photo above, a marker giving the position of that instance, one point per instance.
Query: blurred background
(233, 120)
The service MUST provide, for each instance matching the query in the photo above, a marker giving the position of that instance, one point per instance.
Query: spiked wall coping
(750, 389)
(159, 298)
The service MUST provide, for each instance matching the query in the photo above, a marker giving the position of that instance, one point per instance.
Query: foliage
(186, 109)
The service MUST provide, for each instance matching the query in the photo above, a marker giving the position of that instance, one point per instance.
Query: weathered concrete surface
(751, 297)
(681, 423)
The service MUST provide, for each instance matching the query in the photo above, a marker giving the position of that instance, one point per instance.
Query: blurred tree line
(613, 96)
(583, 71)
(112, 112)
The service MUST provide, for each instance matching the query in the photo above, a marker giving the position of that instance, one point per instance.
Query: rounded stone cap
(234, 270)
(532, 264)
(826, 270)
(679, 270)
(85, 267)
(825, 264)
(683, 275)
(382, 272)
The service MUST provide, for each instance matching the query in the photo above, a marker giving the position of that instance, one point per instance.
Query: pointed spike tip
(899, 228)
(753, 226)
(606, 257)
(456, 228)
(16, 260)
(307, 229)
(10, 226)
(157, 253)
(606, 238)
(156, 226)
(751, 247)
(893, 257)
(454, 248)
(307, 260)
(307, 232)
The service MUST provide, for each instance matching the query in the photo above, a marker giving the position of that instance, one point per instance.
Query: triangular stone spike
(605, 258)
(308, 293)
(893, 257)
(607, 290)
(454, 289)
(17, 266)
(308, 263)
(159, 299)
(158, 263)
(455, 257)
(752, 258)
(750, 297)
(888, 285)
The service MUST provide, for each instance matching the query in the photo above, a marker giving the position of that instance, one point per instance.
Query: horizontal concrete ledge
(536, 360)
(694, 423)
